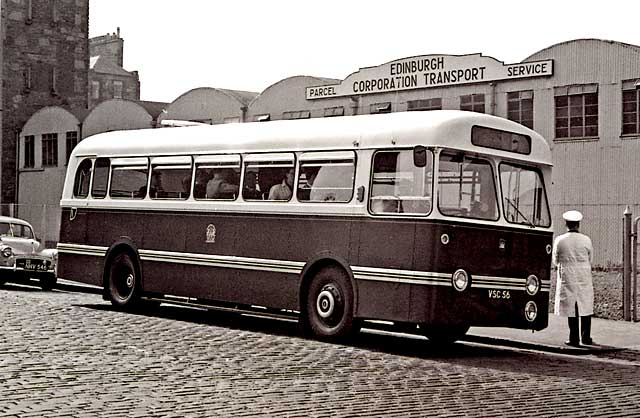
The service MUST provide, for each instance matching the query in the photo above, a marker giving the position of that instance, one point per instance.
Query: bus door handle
(73, 213)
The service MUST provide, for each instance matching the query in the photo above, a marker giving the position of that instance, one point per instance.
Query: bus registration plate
(499, 294)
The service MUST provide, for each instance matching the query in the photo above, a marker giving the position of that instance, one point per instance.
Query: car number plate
(33, 265)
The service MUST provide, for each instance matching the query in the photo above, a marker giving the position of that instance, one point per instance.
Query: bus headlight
(531, 311)
(460, 280)
(7, 252)
(533, 285)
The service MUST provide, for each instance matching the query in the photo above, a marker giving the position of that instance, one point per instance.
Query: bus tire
(444, 334)
(329, 304)
(123, 281)
(48, 281)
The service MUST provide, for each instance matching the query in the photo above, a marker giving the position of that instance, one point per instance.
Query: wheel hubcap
(329, 302)
(129, 281)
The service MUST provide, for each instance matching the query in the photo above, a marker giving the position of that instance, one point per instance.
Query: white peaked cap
(572, 216)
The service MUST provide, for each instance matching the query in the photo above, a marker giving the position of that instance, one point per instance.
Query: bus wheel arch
(328, 299)
(122, 278)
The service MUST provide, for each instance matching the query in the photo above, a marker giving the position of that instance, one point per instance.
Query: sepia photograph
(338, 209)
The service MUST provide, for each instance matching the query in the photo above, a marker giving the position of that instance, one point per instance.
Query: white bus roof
(439, 128)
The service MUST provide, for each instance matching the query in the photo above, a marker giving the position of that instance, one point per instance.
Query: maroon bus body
(385, 243)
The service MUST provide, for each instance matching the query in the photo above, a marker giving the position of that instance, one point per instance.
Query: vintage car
(23, 257)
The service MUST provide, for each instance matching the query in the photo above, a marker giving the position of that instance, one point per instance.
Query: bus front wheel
(329, 304)
(123, 281)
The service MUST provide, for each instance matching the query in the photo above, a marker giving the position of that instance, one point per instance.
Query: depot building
(583, 96)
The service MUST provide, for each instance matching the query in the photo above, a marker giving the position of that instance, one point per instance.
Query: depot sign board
(429, 71)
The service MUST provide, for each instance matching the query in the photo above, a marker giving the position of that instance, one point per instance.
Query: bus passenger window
(83, 177)
(100, 178)
(170, 182)
(269, 176)
(217, 177)
(466, 187)
(398, 186)
(326, 177)
(129, 178)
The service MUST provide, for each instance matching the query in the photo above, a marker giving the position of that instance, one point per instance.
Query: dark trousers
(575, 334)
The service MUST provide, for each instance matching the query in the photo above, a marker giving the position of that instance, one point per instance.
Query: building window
(520, 107)
(333, 111)
(29, 13)
(117, 89)
(29, 151)
(425, 104)
(49, 150)
(631, 111)
(53, 81)
(55, 15)
(72, 141)
(26, 76)
(95, 90)
(576, 111)
(472, 103)
(298, 114)
(380, 108)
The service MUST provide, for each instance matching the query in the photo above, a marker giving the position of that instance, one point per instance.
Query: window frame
(212, 162)
(565, 119)
(371, 197)
(523, 96)
(635, 113)
(324, 159)
(488, 162)
(503, 196)
(473, 104)
(29, 151)
(49, 146)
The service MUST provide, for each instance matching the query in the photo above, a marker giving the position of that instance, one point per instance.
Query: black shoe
(588, 342)
(572, 343)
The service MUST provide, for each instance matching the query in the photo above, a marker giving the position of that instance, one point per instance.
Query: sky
(251, 44)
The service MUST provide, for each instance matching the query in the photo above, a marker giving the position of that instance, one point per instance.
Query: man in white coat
(572, 255)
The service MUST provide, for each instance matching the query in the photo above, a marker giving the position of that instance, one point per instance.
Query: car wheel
(123, 282)
(329, 304)
(444, 334)
(48, 282)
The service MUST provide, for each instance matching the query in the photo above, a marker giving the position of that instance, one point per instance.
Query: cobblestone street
(70, 354)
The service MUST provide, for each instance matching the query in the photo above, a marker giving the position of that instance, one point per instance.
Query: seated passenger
(251, 190)
(304, 190)
(219, 187)
(283, 191)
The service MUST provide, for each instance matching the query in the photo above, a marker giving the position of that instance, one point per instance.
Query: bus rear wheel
(123, 281)
(329, 304)
(444, 334)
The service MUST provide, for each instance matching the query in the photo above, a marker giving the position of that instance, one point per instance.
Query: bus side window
(83, 178)
(100, 178)
(326, 177)
(466, 187)
(129, 178)
(399, 186)
(269, 177)
(170, 182)
(217, 177)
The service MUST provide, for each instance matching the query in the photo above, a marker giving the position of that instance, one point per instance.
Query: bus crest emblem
(211, 234)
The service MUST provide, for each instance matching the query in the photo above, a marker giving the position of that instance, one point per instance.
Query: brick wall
(45, 60)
